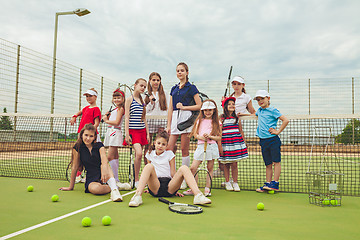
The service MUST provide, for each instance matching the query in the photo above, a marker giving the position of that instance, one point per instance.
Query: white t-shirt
(241, 103)
(113, 116)
(161, 162)
(153, 107)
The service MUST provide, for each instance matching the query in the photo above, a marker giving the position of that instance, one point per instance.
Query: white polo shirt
(241, 103)
(161, 162)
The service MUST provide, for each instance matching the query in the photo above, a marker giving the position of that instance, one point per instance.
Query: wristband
(74, 116)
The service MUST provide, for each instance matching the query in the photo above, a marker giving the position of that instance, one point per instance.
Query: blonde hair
(215, 131)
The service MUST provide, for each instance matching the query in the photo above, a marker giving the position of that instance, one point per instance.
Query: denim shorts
(270, 149)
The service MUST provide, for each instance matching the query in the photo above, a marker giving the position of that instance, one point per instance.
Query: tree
(5, 123)
(350, 134)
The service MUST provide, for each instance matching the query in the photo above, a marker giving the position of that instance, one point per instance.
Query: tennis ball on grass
(271, 192)
(54, 198)
(106, 220)
(30, 188)
(260, 206)
(86, 222)
(334, 202)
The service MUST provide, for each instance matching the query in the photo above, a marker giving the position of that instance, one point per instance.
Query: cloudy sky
(262, 39)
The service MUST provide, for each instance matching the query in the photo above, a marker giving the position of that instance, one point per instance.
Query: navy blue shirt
(91, 162)
(177, 94)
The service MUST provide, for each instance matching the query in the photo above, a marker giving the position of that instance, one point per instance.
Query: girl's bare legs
(146, 148)
(234, 171)
(172, 143)
(210, 168)
(98, 188)
(227, 172)
(137, 162)
(113, 158)
(148, 176)
(183, 173)
(185, 144)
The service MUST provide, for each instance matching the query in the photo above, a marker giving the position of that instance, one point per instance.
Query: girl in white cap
(89, 114)
(206, 128)
(243, 103)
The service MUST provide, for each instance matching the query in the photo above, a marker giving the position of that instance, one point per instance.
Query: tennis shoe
(207, 192)
(236, 187)
(272, 186)
(78, 179)
(200, 199)
(123, 186)
(188, 192)
(115, 195)
(261, 189)
(135, 201)
(136, 184)
(83, 179)
(228, 186)
(183, 185)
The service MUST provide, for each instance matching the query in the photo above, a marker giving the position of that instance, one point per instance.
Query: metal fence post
(353, 109)
(17, 88)
(80, 88)
(268, 86)
(101, 100)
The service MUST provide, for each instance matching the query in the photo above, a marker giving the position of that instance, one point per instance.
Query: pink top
(205, 127)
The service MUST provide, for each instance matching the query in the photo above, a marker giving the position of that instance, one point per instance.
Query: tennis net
(39, 146)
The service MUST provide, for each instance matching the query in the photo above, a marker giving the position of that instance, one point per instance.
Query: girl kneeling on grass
(161, 177)
(91, 154)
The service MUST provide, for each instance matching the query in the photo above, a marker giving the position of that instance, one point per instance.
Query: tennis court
(231, 216)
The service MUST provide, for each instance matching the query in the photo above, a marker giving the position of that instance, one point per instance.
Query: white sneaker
(201, 199)
(136, 184)
(83, 180)
(207, 192)
(236, 187)
(228, 186)
(183, 185)
(123, 186)
(78, 179)
(135, 201)
(116, 196)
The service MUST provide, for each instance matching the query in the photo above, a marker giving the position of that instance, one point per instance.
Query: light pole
(80, 12)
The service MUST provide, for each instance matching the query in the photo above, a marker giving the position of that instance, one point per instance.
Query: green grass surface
(231, 216)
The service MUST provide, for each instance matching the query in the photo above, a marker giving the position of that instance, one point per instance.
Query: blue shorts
(270, 149)
(163, 189)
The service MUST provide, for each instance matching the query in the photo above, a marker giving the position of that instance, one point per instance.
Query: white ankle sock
(112, 183)
(114, 164)
(186, 161)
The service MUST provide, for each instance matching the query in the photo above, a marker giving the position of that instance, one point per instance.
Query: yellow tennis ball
(54, 198)
(30, 188)
(271, 192)
(334, 202)
(260, 206)
(106, 220)
(86, 222)
(326, 202)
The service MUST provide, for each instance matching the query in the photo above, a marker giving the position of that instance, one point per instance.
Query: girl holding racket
(136, 125)
(206, 128)
(114, 136)
(243, 103)
(161, 177)
(91, 154)
(156, 105)
(181, 96)
(233, 148)
(89, 114)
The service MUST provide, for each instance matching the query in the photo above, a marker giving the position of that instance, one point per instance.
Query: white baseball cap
(238, 79)
(208, 105)
(261, 93)
(90, 92)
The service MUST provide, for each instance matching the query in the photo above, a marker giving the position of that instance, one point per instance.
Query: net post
(268, 85)
(101, 101)
(80, 87)
(353, 110)
(17, 88)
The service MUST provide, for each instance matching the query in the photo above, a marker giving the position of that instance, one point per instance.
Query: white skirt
(183, 115)
(113, 138)
(212, 152)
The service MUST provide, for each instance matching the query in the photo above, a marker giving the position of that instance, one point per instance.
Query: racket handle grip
(205, 145)
(164, 200)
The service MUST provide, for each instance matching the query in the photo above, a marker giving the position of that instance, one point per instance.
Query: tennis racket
(228, 82)
(110, 110)
(68, 174)
(182, 208)
(131, 168)
(203, 176)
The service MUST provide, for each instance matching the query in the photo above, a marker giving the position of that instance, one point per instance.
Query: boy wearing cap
(269, 140)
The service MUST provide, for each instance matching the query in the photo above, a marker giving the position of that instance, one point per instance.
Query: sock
(112, 183)
(114, 164)
(186, 161)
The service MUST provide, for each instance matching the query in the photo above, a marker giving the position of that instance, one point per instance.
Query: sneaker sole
(132, 205)
(117, 200)
(271, 189)
(259, 190)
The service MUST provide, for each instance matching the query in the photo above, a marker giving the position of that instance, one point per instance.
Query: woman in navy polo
(181, 96)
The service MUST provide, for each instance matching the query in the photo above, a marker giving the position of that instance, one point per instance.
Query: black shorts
(163, 189)
(270, 149)
(88, 181)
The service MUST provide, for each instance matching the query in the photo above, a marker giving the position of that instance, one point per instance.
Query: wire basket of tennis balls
(324, 179)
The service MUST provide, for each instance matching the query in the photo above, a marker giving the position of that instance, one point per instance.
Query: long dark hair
(186, 68)
(79, 141)
(227, 114)
(162, 97)
(162, 134)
